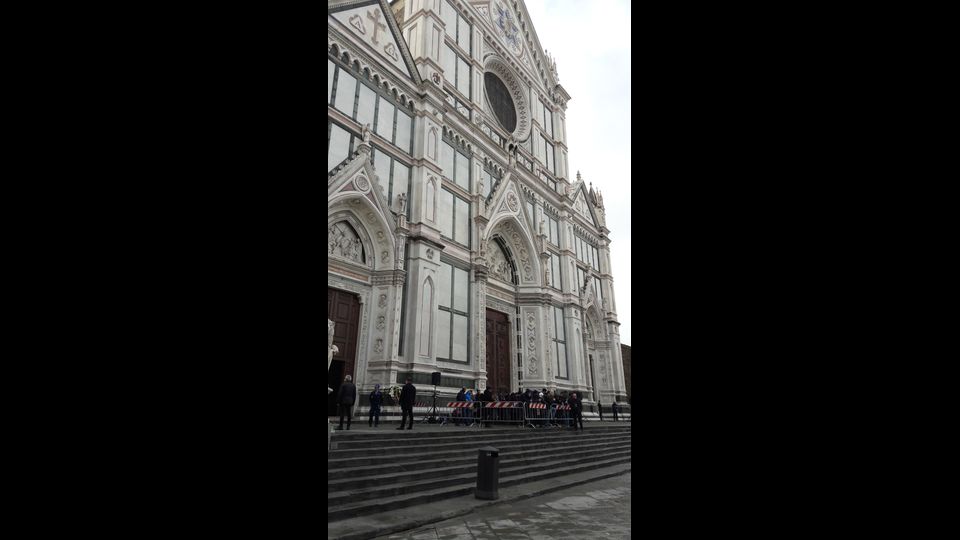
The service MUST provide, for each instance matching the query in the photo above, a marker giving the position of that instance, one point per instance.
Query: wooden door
(343, 308)
(498, 352)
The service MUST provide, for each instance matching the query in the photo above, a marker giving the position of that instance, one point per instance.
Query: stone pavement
(598, 509)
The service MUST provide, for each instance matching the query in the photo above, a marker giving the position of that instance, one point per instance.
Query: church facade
(457, 240)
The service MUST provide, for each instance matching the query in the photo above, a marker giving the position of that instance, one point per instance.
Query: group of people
(554, 415)
(347, 397)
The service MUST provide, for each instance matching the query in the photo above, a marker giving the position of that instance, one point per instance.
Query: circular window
(506, 98)
(500, 101)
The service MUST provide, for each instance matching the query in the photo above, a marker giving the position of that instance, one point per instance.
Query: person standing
(408, 396)
(468, 397)
(615, 411)
(346, 397)
(376, 399)
(600, 409)
(576, 411)
(458, 413)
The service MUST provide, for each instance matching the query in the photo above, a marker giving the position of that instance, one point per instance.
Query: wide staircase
(374, 472)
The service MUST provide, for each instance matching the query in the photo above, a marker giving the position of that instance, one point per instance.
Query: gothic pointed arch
(517, 239)
(353, 191)
(594, 319)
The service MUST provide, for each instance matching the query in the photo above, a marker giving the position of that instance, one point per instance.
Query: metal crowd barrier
(489, 413)
(459, 413)
(540, 415)
(536, 416)
(563, 415)
(502, 412)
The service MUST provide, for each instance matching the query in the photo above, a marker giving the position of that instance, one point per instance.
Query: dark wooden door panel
(498, 351)
(344, 310)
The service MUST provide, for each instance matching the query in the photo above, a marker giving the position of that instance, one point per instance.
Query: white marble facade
(390, 200)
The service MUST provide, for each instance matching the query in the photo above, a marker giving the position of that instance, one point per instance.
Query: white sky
(590, 42)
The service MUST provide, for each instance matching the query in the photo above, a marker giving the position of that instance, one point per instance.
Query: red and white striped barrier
(538, 405)
(459, 412)
(502, 404)
(563, 407)
(502, 412)
(460, 404)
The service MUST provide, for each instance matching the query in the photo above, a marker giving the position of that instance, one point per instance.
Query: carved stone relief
(499, 267)
(531, 344)
(343, 241)
(512, 202)
(548, 354)
(481, 323)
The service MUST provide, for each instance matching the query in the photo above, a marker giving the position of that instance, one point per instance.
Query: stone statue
(541, 226)
(365, 133)
(402, 201)
(548, 275)
(355, 255)
(331, 348)
(480, 187)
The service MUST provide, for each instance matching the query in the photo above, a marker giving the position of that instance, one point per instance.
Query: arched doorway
(502, 274)
(343, 309)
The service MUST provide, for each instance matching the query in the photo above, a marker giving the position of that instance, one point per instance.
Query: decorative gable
(514, 30)
(358, 179)
(583, 207)
(373, 24)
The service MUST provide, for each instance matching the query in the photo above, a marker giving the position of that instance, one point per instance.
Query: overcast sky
(590, 41)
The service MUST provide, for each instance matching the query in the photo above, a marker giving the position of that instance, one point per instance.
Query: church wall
(410, 289)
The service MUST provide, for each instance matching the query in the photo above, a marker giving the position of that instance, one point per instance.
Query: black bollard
(488, 473)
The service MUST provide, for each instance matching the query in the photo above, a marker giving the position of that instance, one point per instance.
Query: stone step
(393, 433)
(399, 482)
(417, 446)
(427, 453)
(371, 440)
(352, 467)
(378, 490)
(381, 524)
(368, 507)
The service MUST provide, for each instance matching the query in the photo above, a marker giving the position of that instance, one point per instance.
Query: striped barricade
(536, 415)
(459, 413)
(502, 412)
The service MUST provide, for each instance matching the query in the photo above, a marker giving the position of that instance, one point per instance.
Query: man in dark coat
(376, 399)
(458, 413)
(346, 397)
(408, 396)
(576, 410)
(615, 411)
(600, 409)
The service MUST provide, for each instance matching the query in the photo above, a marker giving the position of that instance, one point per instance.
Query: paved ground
(596, 510)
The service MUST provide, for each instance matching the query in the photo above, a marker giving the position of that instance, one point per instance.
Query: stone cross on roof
(374, 15)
